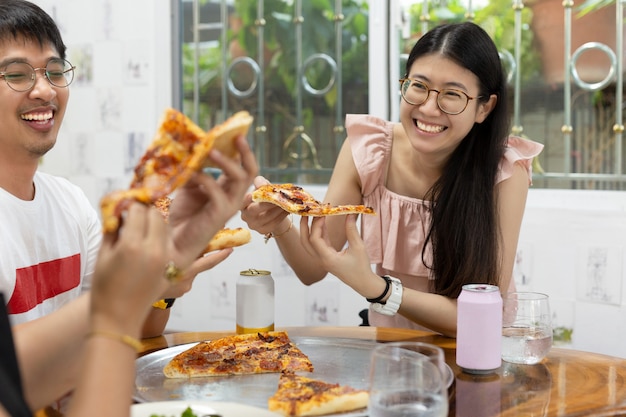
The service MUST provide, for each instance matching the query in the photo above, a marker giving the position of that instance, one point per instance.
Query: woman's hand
(263, 217)
(204, 205)
(351, 264)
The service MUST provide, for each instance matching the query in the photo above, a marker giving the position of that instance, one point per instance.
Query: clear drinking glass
(526, 327)
(433, 353)
(405, 383)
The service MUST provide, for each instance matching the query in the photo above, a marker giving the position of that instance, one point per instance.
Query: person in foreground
(49, 231)
(448, 184)
(91, 347)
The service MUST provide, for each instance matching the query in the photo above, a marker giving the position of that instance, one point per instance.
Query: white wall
(572, 247)
(122, 51)
(572, 243)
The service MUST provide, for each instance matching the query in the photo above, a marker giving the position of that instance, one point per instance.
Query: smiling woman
(448, 186)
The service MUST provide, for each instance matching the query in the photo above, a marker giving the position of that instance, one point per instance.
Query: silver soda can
(479, 329)
(255, 301)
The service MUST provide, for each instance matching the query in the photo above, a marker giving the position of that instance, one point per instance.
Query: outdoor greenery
(497, 18)
(313, 123)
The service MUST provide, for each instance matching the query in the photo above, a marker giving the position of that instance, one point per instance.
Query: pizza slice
(224, 238)
(294, 199)
(298, 395)
(178, 150)
(251, 353)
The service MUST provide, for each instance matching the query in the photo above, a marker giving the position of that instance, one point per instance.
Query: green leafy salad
(187, 413)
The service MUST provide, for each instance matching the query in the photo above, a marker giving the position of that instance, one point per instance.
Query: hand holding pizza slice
(180, 149)
(224, 238)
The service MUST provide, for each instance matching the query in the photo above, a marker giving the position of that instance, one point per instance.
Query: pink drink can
(479, 329)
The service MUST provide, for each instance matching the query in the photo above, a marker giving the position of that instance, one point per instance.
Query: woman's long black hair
(464, 232)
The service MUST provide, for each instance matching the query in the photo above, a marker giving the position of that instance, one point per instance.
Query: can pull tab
(254, 272)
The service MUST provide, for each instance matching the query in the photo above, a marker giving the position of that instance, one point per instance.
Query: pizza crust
(229, 238)
(225, 134)
(298, 395)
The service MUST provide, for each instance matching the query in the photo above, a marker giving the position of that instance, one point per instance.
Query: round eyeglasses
(21, 76)
(449, 101)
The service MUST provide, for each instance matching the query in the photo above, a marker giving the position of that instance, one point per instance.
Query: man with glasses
(49, 232)
(50, 237)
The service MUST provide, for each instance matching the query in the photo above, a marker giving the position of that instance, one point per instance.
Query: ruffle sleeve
(518, 150)
(370, 139)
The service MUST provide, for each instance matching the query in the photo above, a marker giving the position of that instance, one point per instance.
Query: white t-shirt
(48, 247)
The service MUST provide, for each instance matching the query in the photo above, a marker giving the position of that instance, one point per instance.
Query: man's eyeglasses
(21, 76)
(449, 101)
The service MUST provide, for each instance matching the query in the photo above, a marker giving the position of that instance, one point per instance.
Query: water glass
(526, 327)
(405, 383)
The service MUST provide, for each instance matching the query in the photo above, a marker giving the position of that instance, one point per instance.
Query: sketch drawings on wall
(81, 56)
(600, 274)
(110, 105)
(137, 63)
(322, 304)
(222, 299)
(80, 161)
(135, 148)
(523, 266)
(107, 20)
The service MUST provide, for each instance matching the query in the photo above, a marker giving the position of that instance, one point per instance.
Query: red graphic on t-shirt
(37, 283)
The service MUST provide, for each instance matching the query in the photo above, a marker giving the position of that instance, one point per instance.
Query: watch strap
(378, 299)
(390, 308)
(164, 304)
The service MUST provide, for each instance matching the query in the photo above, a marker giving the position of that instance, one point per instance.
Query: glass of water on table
(404, 382)
(526, 327)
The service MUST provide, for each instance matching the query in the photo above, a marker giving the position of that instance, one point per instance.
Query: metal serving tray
(335, 360)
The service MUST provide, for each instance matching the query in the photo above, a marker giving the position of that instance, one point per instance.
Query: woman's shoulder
(368, 134)
(370, 139)
(519, 151)
(358, 124)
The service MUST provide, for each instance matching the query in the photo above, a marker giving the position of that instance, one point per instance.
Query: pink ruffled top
(395, 237)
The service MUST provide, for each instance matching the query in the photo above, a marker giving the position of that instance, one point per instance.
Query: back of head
(23, 20)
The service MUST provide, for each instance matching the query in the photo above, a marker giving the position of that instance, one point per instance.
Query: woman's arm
(433, 311)
(511, 195)
(343, 188)
(49, 352)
